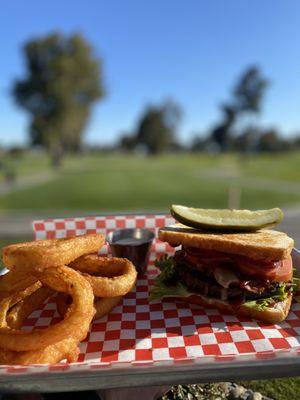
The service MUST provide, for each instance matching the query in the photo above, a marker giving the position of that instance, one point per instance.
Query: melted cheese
(224, 276)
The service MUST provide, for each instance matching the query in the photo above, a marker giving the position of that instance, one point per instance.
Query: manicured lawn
(106, 183)
(273, 166)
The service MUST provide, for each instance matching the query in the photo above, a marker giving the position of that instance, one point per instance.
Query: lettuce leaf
(284, 289)
(167, 282)
(260, 305)
(166, 265)
(160, 290)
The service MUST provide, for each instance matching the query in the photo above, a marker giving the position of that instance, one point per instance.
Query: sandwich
(248, 274)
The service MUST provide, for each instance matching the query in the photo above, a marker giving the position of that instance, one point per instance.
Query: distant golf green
(127, 182)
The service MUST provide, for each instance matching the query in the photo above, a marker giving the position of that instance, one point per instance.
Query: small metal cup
(133, 244)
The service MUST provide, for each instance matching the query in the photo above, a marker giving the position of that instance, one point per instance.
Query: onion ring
(4, 307)
(49, 253)
(65, 349)
(15, 281)
(121, 279)
(102, 305)
(76, 322)
(22, 309)
(10, 301)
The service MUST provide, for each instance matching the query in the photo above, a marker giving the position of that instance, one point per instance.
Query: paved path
(27, 181)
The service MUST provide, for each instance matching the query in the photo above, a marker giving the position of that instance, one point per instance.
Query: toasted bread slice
(273, 315)
(260, 245)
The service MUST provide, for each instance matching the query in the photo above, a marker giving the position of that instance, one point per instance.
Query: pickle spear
(226, 220)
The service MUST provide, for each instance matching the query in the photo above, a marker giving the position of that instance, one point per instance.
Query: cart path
(27, 181)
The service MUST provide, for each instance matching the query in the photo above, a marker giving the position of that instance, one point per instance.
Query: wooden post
(234, 197)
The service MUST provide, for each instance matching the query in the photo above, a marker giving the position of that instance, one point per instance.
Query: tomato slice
(281, 271)
(202, 256)
(205, 253)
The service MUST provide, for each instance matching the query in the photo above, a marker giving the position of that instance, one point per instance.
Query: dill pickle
(226, 219)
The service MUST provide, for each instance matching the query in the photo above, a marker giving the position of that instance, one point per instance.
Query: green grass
(98, 183)
(278, 389)
(6, 241)
(273, 166)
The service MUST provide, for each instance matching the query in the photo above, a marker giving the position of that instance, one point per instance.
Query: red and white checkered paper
(137, 332)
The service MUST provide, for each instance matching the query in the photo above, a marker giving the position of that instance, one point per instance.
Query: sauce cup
(134, 244)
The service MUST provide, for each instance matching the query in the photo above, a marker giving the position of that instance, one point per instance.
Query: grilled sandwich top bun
(268, 245)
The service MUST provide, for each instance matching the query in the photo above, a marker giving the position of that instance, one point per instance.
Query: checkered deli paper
(137, 332)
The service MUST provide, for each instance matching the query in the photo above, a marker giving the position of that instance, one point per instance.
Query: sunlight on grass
(133, 183)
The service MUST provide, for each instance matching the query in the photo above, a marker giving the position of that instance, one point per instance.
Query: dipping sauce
(134, 244)
(130, 242)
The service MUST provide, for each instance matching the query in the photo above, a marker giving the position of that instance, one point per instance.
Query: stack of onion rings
(68, 266)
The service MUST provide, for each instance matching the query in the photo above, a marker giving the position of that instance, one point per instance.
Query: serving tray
(140, 343)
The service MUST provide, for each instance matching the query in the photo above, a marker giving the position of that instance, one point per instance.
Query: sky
(190, 50)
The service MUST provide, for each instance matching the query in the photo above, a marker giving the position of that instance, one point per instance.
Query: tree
(157, 127)
(63, 80)
(127, 142)
(247, 98)
(271, 141)
(249, 91)
(199, 142)
(247, 140)
(296, 142)
(221, 133)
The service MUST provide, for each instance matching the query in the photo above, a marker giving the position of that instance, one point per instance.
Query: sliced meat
(236, 293)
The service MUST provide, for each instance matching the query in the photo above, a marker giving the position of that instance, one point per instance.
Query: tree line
(64, 79)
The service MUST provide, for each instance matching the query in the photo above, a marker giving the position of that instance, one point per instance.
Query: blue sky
(190, 50)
